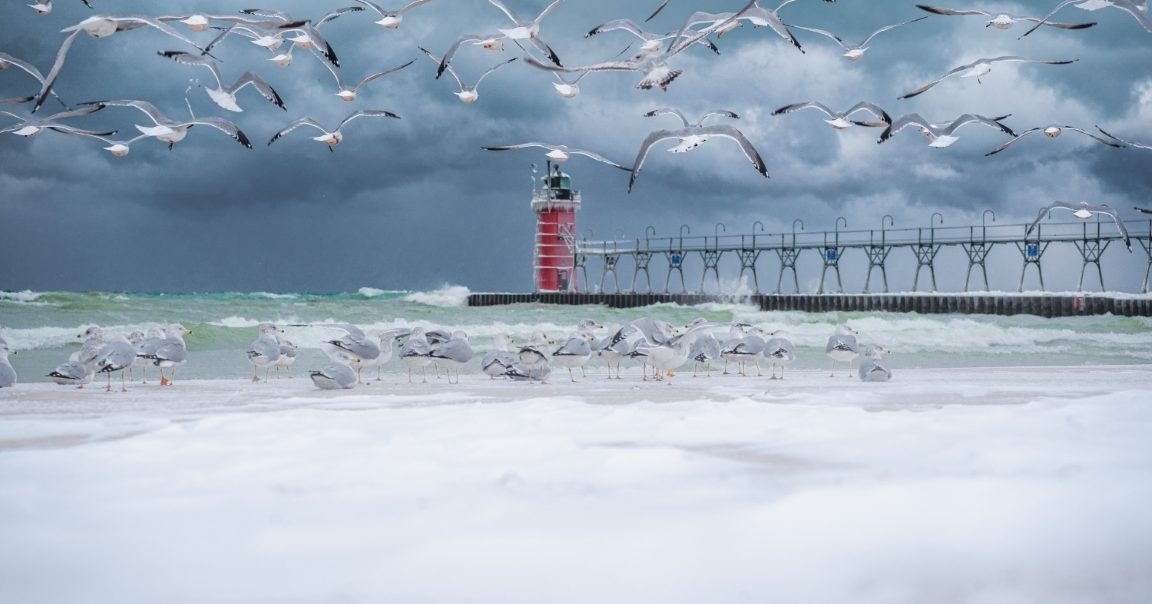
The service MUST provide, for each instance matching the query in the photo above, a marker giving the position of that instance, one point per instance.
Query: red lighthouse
(555, 204)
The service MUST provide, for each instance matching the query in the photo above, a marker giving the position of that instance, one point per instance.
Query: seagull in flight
(1136, 8)
(28, 126)
(853, 52)
(684, 119)
(690, 138)
(999, 20)
(651, 42)
(348, 92)
(467, 94)
(43, 7)
(559, 153)
(654, 65)
(1052, 131)
(6, 61)
(391, 19)
(225, 96)
(1083, 211)
(943, 134)
(979, 68)
(333, 137)
(173, 131)
(839, 120)
(528, 30)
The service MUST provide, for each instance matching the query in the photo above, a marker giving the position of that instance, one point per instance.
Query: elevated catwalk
(1053, 305)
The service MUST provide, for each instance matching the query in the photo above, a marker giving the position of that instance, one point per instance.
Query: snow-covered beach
(962, 484)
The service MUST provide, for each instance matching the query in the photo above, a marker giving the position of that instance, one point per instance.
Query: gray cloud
(414, 203)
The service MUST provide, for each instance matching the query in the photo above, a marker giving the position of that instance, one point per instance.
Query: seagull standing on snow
(979, 68)
(170, 352)
(853, 52)
(334, 376)
(780, 352)
(116, 355)
(452, 354)
(1083, 211)
(873, 367)
(1053, 132)
(334, 137)
(1000, 20)
(264, 352)
(7, 373)
(497, 361)
(841, 348)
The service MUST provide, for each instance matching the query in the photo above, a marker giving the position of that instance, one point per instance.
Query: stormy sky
(415, 203)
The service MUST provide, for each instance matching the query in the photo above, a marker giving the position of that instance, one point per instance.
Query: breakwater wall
(1049, 305)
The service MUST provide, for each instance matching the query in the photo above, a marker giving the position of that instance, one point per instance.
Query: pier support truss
(788, 257)
(1090, 251)
(1032, 252)
(877, 256)
(675, 263)
(925, 257)
(1147, 245)
(642, 259)
(711, 260)
(748, 260)
(610, 260)
(977, 252)
(831, 261)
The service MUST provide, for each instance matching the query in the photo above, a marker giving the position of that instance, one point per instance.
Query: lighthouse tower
(555, 205)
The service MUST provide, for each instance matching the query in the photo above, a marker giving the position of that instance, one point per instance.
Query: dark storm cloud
(415, 203)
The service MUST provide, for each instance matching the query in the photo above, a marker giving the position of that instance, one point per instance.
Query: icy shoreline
(944, 485)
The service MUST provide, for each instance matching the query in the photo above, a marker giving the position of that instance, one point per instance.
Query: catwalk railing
(674, 253)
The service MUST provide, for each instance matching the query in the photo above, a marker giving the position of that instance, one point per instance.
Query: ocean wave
(22, 297)
(449, 296)
(274, 296)
(372, 292)
(235, 322)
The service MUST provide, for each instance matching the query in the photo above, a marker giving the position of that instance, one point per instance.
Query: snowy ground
(966, 485)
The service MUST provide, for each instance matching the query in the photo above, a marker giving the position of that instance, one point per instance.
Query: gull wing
(491, 69)
(381, 74)
(304, 121)
(367, 113)
(670, 110)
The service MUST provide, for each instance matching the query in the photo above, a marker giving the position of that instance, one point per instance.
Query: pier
(759, 254)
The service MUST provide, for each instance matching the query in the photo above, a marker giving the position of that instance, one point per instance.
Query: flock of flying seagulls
(653, 61)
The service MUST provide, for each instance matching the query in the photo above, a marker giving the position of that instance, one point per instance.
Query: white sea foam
(55, 337)
(371, 292)
(449, 296)
(275, 296)
(25, 297)
(236, 322)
